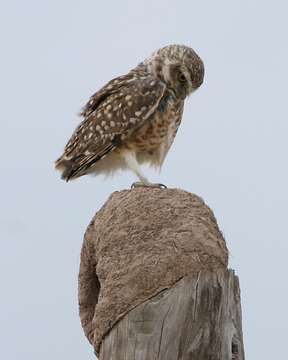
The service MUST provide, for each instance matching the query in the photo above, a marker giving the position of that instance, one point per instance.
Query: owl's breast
(152, 141)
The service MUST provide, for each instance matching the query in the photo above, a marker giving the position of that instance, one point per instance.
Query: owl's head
(179, 67)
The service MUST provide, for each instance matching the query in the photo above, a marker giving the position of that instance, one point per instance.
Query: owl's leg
(132, 164)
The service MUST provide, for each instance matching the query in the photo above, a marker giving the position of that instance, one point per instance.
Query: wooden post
(153, 280)
(198, 318)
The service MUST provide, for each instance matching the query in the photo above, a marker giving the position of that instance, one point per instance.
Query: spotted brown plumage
(134, 118)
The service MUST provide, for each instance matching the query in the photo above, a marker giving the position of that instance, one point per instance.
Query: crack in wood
(161, 332)
(196, 296)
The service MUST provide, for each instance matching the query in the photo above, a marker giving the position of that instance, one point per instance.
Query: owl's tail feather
(66, 167)
(72, 168)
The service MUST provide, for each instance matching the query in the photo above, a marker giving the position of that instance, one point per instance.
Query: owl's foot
(138, 184)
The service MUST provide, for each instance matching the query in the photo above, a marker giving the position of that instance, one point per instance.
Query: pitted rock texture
(141, 242)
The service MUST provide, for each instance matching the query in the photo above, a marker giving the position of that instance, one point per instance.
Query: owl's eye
(181, 77)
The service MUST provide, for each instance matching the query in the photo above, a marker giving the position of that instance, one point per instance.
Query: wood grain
(198, 318)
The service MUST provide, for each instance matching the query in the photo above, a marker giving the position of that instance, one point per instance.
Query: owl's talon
(138, 184)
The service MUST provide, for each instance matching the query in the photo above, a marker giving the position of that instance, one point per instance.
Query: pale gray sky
(231, 150)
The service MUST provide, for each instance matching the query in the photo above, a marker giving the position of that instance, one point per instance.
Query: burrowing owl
(134, 118)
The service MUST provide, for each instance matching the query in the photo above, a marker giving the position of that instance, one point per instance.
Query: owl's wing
(110, 117)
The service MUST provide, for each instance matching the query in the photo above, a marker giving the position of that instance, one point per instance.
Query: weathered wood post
(154, 283)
